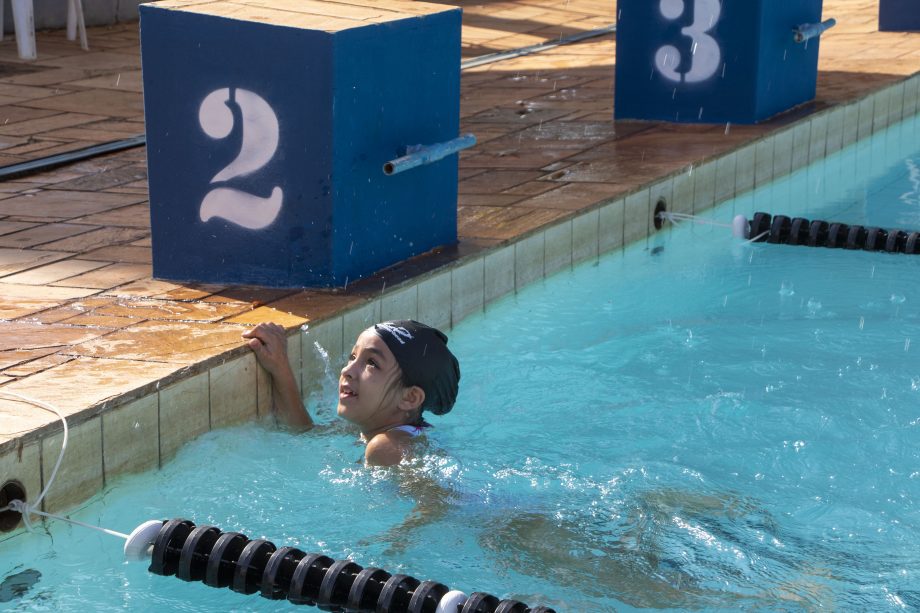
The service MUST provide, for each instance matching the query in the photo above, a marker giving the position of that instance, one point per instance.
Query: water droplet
(786, 289)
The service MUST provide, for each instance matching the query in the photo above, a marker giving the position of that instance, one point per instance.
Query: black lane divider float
(230, 559)
(800, 231)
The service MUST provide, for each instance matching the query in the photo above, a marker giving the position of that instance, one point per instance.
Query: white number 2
(259, 143)
(704, 49)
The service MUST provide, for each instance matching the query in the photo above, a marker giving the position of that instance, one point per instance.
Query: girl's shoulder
(392, 446)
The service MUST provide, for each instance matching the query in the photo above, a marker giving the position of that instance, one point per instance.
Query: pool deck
(141, 366)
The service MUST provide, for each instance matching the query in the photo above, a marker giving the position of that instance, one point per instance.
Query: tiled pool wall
(143, 433)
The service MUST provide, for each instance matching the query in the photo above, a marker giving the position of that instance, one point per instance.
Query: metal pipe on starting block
(812, 30)
(419, 155)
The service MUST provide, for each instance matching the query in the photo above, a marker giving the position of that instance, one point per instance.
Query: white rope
(26, 509)
(676, 217)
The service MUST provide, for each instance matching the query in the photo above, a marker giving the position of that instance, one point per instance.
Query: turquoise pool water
(692, 423)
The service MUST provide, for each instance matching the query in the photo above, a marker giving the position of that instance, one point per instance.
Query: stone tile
(51, 205)
(265, 314)
(896, 103)
(492, 181)
(15, 260)
(65, 386)
(584, 236)
(683, 186)
(315, 305)
(817, 140)
(783, 143)
(467, 289)
(184, 413)
(47, 124)
(123, 254)
(726, 167)
(745, 168)
(400, 304)
(115, 103)
(99, 322)
(610, 223)
(108, 276)
(23, 336)
(498, 274)
(134, 216)
(22, 465)
(20, 416)
(574, 196)
(851, 119)
(7, 227)
(881, 109)
(80, 476)
(801, 137)
(763, 161)
(51, 273)
(105, 178)
(12, 357)
(355, 321)
(40, 365)
(131, 437)
(126, 80)
(529, 260)
(434, 301)
(704, 187)
(234, 390)
(94, 238)
(163, 343)
(636, 216)
(835, 119)
(502, 223)
(170, 310)
(42, 234)
(558, 254)
(911, 96)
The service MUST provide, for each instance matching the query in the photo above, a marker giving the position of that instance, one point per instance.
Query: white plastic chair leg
(76, 23)
(24, 22)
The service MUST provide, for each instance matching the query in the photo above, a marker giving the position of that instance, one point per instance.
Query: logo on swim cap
(397, 332)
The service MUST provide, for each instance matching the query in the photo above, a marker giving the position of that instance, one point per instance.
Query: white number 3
(704, 49)
(258, 146)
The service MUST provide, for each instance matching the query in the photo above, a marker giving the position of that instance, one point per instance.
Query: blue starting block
(715, 61)
(269, 123)
(899, 15)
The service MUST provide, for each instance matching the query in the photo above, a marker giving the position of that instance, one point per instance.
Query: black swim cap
(422, 354)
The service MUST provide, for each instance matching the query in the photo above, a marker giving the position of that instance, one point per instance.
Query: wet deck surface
(80, 314)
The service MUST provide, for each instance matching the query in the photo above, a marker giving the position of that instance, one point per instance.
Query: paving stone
(44, 233)
(61, 204)
(108, 276)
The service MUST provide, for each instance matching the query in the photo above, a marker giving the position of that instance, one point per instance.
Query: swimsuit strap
(409, 429)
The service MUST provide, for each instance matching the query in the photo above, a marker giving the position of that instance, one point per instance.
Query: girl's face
(369, 385)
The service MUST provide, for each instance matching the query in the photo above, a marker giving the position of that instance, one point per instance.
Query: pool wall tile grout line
(444, 296)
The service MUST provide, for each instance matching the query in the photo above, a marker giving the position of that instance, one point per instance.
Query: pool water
(693, 423)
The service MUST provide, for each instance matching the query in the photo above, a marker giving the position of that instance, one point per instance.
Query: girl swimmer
(396, 370)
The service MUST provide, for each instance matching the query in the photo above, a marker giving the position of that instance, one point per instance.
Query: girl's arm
(269, 342)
